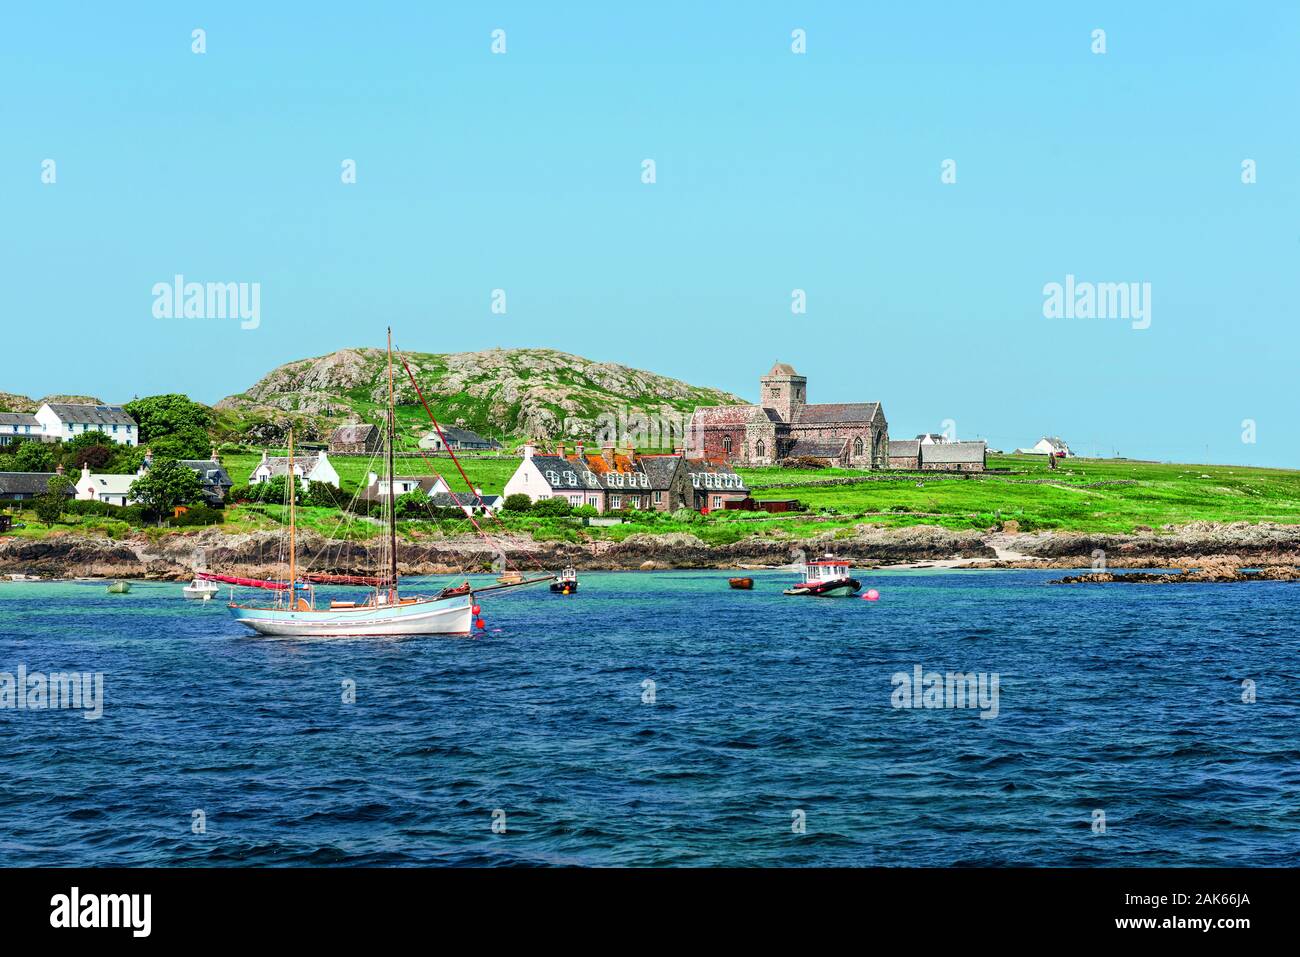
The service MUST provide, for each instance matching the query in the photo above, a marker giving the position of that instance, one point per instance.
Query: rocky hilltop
(12, 402)
(533, 392)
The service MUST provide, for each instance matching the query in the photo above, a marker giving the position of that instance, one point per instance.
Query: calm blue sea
(1123, 700)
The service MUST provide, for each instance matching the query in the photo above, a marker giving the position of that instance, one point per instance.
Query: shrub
(552, 506)
(586, 511)
(85, 507)
(518, 503)
(199, 515)
(324, 495)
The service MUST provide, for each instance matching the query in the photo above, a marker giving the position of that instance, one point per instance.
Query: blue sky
(775, 172)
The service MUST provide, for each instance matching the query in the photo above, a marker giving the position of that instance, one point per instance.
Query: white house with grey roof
(67, 420)
(313, 467)
(16, 426)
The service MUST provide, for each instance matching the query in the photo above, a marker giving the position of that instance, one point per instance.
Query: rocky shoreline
(175, 556)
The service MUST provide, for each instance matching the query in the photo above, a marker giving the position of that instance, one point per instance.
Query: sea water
(661, 718)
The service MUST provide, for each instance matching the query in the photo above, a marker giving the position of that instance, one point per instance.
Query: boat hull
(743, 584)
(836, 588)
(429, 616)
(564, 588)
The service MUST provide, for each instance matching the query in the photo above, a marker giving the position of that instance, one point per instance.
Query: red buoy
(474, 609)
(480, 623)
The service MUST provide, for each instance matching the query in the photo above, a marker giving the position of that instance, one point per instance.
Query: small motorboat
(201, 589)
(452, 591)
(826, 577)
(744, 584)
(566, 583)
(511, 578)
(119, 588)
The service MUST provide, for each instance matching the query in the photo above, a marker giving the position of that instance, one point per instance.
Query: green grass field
(1103, 495)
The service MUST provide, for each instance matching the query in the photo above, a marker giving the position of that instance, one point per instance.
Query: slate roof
(27, 483)
(697, 468)
(424, 483)
(661, 469)
(817, 448)
(356, 434)
(279, 464)
(953, 453)
(904, 448)
(458, 436)
(731, 415)
(19, 418)
(583, 478)
(828, 413)
(91, 414)
(211, 474)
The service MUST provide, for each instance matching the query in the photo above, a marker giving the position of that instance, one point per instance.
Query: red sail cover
(320, 578)
(246, 582)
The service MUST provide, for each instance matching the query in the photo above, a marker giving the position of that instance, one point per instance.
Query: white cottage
(314, 467)
(67, 420)
(114, 489)
(377, 488)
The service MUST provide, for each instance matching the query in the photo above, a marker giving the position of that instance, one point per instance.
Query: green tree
(160, 416)
(34, 457)
(166, 485)
(61, 486)
(185, 443)
(48, 508)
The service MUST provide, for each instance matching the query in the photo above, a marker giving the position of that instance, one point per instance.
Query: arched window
(726, 444)
(760, 449)
(857, 446)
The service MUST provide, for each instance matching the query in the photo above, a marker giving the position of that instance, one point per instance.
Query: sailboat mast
(392, 501)
(293, 538)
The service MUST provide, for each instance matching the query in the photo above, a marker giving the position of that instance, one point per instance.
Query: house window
(616, 501)
(659, 498)
(717, 501)
(857, 446)
(760, 448)
(593, 500)
(726, 444)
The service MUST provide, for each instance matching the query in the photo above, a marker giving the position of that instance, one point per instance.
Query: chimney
(263, 456)
(215, 457)
(579, 448)
(529, 450)
(680, 451)
(58, 469)
(85, 471)
(607, 453)
(559, 450)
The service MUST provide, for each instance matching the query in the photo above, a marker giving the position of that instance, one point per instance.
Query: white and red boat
(292, 610)
(826, 577)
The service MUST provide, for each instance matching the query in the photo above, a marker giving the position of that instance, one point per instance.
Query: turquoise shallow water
(1123, 699)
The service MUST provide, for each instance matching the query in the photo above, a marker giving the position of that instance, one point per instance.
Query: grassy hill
(498, 392)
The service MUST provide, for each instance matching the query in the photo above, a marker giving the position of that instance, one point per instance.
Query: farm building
(905, 453)
(459, 440)
(954, 457)
(359, 437)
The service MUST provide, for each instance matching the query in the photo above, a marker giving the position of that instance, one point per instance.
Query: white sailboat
(384, 612)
